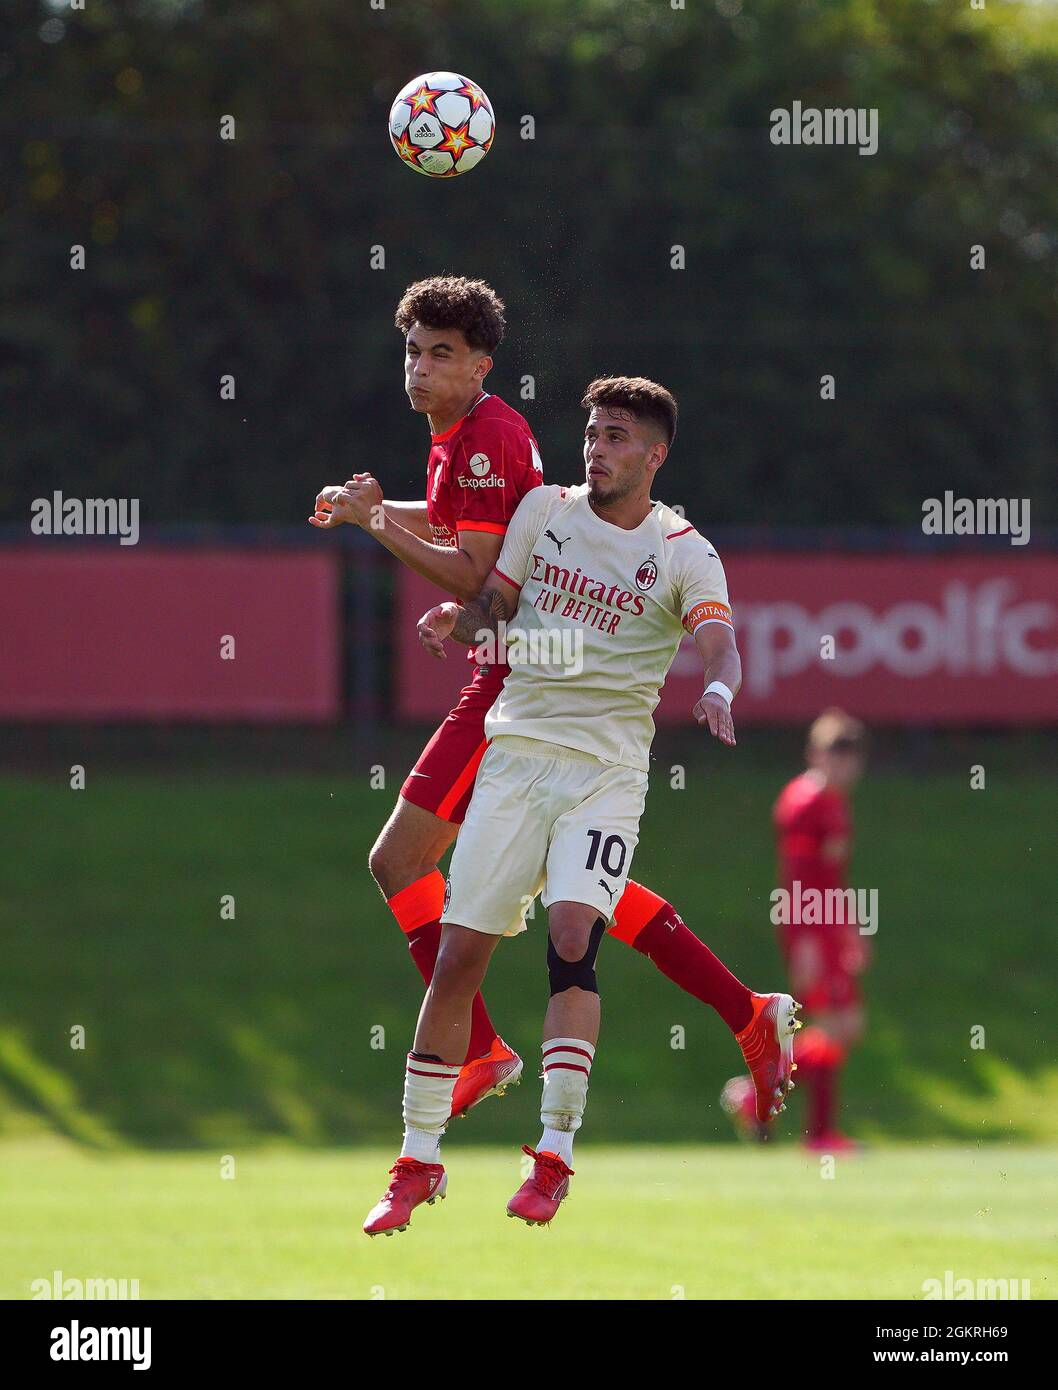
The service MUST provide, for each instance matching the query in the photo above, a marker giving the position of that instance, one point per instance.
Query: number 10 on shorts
(613, 856)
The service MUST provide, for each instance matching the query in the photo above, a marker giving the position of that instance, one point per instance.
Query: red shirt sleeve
(493, 466)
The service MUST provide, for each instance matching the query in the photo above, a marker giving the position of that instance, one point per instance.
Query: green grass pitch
(258, 1037)
(290, 1020)
(641, 1223)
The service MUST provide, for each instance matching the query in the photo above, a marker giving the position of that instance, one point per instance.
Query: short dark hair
(453, 301)
(644, 398)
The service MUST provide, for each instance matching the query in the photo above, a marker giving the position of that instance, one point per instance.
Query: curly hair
(644, 398)
(453, 301)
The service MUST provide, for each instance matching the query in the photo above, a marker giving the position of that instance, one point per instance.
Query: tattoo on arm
(482, 614)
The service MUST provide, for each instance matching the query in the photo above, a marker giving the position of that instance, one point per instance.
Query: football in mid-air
(441, 124)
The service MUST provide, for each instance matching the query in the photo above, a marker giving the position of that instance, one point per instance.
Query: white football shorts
(542, 819)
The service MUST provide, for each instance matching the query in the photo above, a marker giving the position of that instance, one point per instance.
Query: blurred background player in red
(813, 827)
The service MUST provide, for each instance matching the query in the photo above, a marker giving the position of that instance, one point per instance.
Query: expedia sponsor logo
(647, 574)
(479, 465)
(493, 480)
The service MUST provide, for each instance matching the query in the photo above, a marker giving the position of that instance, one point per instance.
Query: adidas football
(441, 124)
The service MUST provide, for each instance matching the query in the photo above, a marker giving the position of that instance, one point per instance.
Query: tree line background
(252, 257)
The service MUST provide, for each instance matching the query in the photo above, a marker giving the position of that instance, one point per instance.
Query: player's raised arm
(413, 516)
(707, 616)
(499, 594)
(471, 622)
(460, 569)
(723, 677)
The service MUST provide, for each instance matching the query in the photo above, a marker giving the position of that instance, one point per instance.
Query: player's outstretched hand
(433, 627)
(335, 503)
(716, 712)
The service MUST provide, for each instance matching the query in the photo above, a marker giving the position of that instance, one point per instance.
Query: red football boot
(486, 1076)
(767, 1045)
(411, 1184)
(539, 1197)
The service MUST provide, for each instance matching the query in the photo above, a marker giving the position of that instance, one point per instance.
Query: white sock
(557, 1141)
(423, 1144)
(428, 1088)
(567, 1065)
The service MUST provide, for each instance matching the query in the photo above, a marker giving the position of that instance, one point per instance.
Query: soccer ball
(441, 124)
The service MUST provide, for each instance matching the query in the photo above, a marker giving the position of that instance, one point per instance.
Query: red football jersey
(806, 815)
(479, 470)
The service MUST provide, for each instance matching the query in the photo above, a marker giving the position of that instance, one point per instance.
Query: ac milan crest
(646, 574)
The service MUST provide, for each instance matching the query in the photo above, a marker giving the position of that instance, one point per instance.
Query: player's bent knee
(455, 974)
(462, 958)
(379, 865)
(392, 869)
(566, 969)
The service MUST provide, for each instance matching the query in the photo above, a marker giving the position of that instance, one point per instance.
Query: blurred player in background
(483, 460)
(814, 831)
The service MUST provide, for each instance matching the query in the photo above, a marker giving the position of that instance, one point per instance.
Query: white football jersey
(600, 617)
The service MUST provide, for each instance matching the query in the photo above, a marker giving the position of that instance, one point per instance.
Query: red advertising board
(139, 634)
(916, 640)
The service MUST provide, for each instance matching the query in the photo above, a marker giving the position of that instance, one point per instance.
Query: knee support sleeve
(578, 974)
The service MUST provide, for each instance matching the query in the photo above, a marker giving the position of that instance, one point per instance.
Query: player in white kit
(593, 591)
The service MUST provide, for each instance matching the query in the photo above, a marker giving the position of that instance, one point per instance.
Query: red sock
(417, 909)
(822, 1102)
(819, 1061)
(654, 927)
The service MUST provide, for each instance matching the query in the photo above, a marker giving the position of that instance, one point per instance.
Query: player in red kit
(824, 958)
(483, 460)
